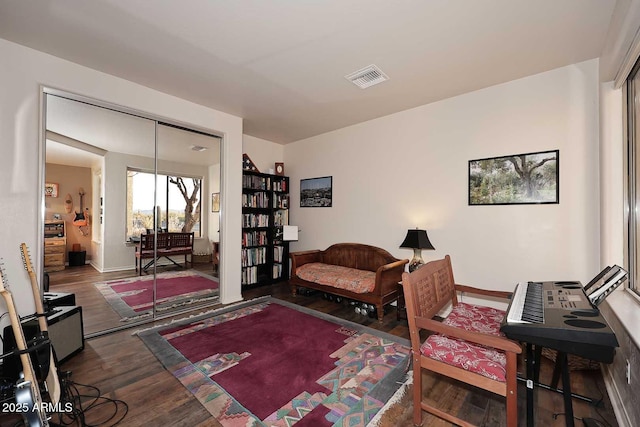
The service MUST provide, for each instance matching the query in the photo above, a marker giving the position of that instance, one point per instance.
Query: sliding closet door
(90, 151)
(141, 185)
(188, 178)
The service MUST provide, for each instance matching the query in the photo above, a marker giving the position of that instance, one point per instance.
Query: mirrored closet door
(131, 222)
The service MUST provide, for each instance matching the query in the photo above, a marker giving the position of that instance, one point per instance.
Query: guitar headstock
(26, 258)
(4, 286)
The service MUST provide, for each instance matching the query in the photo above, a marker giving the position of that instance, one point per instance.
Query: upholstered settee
(352, 270)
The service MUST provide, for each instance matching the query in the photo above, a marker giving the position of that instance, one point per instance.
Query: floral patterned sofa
(352, 270)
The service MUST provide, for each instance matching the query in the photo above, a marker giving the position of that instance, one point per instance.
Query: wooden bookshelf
(265, 210)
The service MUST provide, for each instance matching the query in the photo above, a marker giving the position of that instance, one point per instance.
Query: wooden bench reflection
(168, 244)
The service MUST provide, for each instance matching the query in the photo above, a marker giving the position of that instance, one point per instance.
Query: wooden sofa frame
(388, 271)
(169, 244)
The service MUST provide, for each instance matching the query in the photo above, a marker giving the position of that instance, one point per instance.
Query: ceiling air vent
(368, 76)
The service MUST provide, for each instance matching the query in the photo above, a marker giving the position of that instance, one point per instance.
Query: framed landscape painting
(531, 178)
(316, 192)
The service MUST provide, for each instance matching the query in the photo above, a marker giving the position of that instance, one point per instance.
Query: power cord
(76, 406)
(586, 421)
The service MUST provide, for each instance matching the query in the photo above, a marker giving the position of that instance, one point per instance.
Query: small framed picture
(316, 192)
(50, 189)
(215, 202)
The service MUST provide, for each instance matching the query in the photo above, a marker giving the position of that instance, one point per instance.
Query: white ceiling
(281, 64)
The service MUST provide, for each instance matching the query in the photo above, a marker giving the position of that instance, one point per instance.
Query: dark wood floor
(122, 367)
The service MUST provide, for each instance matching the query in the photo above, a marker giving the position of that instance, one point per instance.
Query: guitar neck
(37, 298)
(52, 381)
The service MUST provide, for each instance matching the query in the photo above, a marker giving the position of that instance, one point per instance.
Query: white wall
(263, 153)
(23, 72)
(411, 169)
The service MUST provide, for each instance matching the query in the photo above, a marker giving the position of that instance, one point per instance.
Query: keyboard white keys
(517, 304)
(527, 304)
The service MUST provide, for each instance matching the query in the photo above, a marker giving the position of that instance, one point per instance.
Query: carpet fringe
(397, 396)
(203, 313)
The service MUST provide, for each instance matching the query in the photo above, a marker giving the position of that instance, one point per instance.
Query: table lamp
(417, 240)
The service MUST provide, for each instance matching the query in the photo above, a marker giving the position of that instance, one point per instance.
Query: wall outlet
(628, 372)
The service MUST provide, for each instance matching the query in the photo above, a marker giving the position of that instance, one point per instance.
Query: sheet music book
(604, 283)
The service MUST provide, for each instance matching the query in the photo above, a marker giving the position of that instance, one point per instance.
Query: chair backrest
(180, 240)
(163, 240)
(427, 291)
(431, 288)
(146, 242)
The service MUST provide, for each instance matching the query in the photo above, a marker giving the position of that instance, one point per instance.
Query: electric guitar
(80, 219)
(28, 399)
(52, 382)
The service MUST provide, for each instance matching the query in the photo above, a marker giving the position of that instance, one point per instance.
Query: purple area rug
(277, 364)
(131, 296)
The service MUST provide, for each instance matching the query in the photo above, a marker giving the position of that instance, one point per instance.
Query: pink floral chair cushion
(351, 279)
(472, 357)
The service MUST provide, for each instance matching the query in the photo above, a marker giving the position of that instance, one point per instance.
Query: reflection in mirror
(188, 168)
(118, 203)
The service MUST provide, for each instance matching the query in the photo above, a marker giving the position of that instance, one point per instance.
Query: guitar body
(25, 400)
(81, 219)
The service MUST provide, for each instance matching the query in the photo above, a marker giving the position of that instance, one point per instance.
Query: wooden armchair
(467, 345)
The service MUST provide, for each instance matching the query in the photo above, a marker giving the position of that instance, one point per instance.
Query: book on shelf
(277, 271)
(265, 211)
(254, 256)
(255, 220)
(278, 252)
(254, 238)
(255, 200)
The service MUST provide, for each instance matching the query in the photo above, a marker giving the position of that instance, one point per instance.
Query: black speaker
(65, 334)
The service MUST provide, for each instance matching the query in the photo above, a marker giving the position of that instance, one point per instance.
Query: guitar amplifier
(65, 334)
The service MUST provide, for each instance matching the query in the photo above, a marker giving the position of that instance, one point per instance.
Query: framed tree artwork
(531, 178)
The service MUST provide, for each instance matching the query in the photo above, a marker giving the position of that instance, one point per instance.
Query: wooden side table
(402, 307)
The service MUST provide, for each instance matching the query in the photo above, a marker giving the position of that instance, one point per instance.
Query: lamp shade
(290, 233)
(417, 239)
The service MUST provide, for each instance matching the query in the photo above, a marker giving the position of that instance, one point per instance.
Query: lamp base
(417, 260)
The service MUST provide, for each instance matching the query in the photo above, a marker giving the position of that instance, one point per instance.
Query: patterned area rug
(133, 296)
(271, 363)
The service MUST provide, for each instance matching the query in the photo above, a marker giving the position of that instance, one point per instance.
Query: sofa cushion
(351, 279)
(463, 354)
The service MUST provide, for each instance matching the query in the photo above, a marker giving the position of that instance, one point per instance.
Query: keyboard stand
(533, 354)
